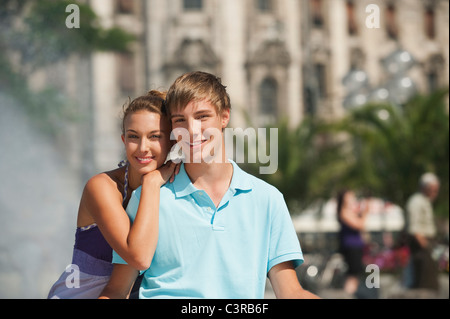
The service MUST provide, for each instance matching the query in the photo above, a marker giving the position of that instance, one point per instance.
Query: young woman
(352, 216)
(103, 224)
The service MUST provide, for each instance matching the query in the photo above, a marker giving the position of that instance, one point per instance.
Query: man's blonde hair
(197, 86)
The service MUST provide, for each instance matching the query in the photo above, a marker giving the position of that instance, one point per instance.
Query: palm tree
(34, 33)
(380, 150)
(309, 163)
(392, 146)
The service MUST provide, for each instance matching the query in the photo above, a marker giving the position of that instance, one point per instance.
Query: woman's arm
(120, 283)
(354, 219)
(135, 243)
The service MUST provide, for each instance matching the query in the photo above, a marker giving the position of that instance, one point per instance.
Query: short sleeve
(133, 204)
(116, 259)
(284, 244)
(131, 210)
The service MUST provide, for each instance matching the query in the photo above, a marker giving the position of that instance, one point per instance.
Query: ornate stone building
(278, 58)
(284, 58)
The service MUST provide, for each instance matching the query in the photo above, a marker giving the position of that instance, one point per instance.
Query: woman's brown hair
(153, 101)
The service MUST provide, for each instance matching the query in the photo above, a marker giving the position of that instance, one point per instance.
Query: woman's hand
(162, 175)
(175, 172)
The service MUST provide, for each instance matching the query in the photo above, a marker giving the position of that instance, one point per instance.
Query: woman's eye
(132, 136)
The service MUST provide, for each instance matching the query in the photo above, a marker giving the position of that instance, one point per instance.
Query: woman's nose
(144, 145)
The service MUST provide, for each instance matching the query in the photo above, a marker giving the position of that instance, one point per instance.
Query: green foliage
(36, 35)
(36, 32)
(309, 164)
(46, 39)
(402, 147)
(392, 147)
(379, 150)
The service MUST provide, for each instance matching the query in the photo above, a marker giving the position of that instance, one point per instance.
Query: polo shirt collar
(240, 180)
(183, 186)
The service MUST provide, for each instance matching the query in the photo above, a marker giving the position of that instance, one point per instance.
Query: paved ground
(390, 288)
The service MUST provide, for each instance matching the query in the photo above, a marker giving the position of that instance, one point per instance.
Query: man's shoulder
(416, 199)
(258, 185)
(167, 190)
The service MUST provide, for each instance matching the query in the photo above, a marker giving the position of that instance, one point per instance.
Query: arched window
(127, 73)
(264, 5)
(317, 14)
(192, 4)
(433, 69)
(321, 76)
(125, 6)
(430, 24)
(391, 22)
(352, 27)
(268, 97)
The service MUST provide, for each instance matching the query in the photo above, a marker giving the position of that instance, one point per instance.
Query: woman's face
(147, 140)
(351, 202)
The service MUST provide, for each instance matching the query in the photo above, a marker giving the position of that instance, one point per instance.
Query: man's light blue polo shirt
(223, 252)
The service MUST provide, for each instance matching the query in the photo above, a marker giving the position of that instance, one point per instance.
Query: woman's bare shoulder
(113, 178)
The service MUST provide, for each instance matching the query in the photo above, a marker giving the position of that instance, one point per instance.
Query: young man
(221, 230)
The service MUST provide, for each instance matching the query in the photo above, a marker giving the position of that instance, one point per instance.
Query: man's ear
(225, 118)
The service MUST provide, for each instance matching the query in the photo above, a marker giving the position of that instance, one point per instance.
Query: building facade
(280, 59)
(284, 58)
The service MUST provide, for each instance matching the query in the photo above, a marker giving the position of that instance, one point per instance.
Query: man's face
(432, 191)
(198, 129)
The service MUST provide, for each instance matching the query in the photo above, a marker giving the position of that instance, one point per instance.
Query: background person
(351, 217)
(421, 229)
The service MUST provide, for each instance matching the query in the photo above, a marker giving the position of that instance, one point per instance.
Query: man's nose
(194, 128)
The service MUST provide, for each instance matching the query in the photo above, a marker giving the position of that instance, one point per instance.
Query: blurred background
(357, 89)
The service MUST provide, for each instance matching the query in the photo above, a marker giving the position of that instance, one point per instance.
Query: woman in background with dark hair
(351, 215)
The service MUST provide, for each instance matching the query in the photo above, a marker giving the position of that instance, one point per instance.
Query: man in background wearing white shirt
(422, 230)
